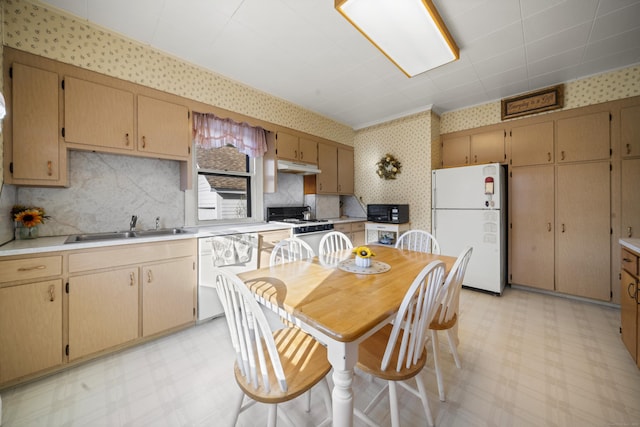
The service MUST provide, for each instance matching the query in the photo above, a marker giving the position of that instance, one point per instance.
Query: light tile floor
(528, 360)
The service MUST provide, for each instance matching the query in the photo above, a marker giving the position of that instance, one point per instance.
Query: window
(228, 159)
(224, 183)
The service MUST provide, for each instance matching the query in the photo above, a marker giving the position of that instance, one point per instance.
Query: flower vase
(26, 233)
(363, 262)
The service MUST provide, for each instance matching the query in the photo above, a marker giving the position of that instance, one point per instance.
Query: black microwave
(394, 214)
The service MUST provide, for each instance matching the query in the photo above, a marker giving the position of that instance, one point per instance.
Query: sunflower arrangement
(388, 167)
(28, 216)
(363, 252)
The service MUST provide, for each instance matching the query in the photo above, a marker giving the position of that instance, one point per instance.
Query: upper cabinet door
(630, 131)
(34, 105)
(455, 151)
(346, 173)
(583, 138)
(532, 144)
(327, 180)
(308, 151)
(487, 147)
(98, 115)
(287, 146)
(163, 127)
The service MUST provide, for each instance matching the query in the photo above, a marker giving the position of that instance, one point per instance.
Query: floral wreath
(388, 167)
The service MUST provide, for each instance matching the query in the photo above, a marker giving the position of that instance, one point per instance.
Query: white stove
(310, 230)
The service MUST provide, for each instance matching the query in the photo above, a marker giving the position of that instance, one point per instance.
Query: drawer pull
(126, 139)
(627, 259)
(549, 156)
(52, 293)
(132, 279)
(548, 226)
(563, 228)
(628, 148)
(562, 155)
(635, 292)
(36, 267)
(49, 168)
(629, 231)
(144, 141)
(149, 276)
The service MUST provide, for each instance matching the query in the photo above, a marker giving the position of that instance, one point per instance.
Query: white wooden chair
(334, 241)
(418, 240)
(290, 249)
(271, 367)
(446, 318)
(397, 352)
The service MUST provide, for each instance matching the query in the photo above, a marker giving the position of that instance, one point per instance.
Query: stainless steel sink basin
(161, 232)
(118, 235)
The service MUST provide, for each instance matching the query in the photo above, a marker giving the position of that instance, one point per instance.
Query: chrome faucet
(157, 222)
(132, 224)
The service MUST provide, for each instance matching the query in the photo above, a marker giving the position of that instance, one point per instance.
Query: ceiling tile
(570, 38)
(616, 22)
(558, 18)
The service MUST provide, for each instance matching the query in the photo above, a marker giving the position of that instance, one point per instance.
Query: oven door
(313, 239)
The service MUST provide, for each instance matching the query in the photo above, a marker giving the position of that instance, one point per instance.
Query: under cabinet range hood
(288, 166)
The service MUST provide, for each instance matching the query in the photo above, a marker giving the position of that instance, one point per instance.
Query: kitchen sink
(119, 235)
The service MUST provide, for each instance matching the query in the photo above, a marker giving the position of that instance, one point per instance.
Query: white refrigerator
(469, 209)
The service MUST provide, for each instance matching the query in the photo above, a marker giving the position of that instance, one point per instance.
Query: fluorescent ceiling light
(409, 32)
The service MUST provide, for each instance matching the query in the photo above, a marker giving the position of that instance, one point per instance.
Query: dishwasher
(235, 252)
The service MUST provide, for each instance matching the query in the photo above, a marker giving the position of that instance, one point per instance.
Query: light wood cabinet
(630, 197)
(327, 180)
(630, 131)
(346, 174)
(30, 328)
(532, 228)
(30, 316)
(103, 311)
(128, 292)
(629, 303)
(163, 127)
(355, 231)
(33, 152)
(532, 144)
(98, 115)
(487, 147)
(168, 295)
(584, 137)
(583, 230)
(473, 148)
(267, 240)
(291, 147)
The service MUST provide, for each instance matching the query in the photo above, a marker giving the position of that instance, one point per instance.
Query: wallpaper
(409, 140)
(33, 28)
(604, 87)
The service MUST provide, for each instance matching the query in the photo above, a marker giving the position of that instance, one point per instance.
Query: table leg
(343, 358)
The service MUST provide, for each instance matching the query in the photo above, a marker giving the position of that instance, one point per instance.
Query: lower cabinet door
(168, 295)
(103, 311)
(30, 328)
(628, 313)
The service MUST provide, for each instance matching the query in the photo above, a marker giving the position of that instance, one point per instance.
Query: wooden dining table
(340, 308)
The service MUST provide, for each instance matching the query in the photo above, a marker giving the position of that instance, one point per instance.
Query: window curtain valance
(213, 132)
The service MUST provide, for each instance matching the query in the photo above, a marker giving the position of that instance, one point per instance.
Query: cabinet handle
(626, 259)
(301, 155)
(629, 231)
(631, 295)
(37, 267)
(628, 148)
(562, 155)
(126, 139)
(466, 159)
(144, 141)
(132, 279)
(549, 155)
(49, 168)
(295, 153)
(149, 276)
(52, 293)
(548, 226)
(475, 158)
(563, 228)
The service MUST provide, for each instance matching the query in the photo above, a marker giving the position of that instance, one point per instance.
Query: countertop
(56, 243)
(632, 244)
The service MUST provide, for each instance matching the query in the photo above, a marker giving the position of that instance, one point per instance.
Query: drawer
(343, 227)
(30, 268)
(629, 262)
(357, 226)
(123, 255)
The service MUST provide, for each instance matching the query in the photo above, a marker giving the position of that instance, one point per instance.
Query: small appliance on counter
(391, 214)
